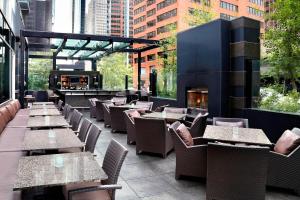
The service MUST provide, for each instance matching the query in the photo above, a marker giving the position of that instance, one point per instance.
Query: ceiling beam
(81, 48)
(61, 46)
(58, 57)
(102, 48)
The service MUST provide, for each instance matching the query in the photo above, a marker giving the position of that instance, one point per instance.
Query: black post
(139, 69)
(54, 61)
(22, 65)
(26, 68)
(126, 82)
(100, 81)
(153, 80)
(94, 65)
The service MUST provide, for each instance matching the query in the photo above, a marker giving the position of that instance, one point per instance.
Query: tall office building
(152, 18)
(109, 17)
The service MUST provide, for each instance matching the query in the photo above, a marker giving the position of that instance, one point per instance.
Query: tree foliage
(114, 68)
(38, 74)
(282, 40)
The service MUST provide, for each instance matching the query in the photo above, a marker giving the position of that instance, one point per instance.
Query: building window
(140, 19)
(167, 15)
(136, 2)
(151, 35)
(165, 3)
(143, 71)
(139, 10)
(227, 17)
(228, 6)
(151, 23)
(166, 28)
(150, 2)
(258, 2)
(151, 57)
(254, 11)
(140, 29)
(151, 12)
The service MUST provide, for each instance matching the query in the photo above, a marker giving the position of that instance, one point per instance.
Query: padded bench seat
(8, 173)
(11, 139)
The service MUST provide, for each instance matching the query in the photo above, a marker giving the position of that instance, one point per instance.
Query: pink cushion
(232, 124)
(134, 114)
(287, 142)
(6, 116)
(11, 110)
(185, 135)
(2, 123)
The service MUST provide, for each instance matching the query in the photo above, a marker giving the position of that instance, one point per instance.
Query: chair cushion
(185, 135)
(11, 110)
(233, 124)
(2, 123)
(5, 114)
(95, 195)
(287, 142)
(134, 114)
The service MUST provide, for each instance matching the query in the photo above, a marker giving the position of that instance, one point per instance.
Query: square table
(236, 135)
(165, 115)
(51, 139)
(57, 170)
(47, 122)
(43, 103)
(42, 106)
(43, 112)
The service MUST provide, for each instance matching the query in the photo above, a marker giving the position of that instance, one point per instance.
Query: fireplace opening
(198, 98)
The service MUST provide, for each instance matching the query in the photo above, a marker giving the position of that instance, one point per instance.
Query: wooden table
(43, 112)
(167, 116)
(51, 139)
(236, 135)
(42, 106)
(47, 122)
(57, 170)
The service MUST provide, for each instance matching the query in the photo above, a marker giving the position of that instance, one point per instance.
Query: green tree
(114, 68)
(38, 74)
(282, 40)
(167, 81)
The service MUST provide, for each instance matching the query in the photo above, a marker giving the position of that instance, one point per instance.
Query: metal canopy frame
(83, 48)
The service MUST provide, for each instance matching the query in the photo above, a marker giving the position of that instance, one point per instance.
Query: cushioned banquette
(13, 121)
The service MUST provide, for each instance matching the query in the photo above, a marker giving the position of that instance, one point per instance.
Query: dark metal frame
(27, 47)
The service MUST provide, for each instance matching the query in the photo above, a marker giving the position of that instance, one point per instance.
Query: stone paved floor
(146, 177)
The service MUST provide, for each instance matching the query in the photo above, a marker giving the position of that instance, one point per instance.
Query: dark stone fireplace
(218, 66)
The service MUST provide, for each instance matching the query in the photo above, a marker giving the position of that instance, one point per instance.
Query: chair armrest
(199, 141)
(273, 153)
(187, 123)
(93, 188)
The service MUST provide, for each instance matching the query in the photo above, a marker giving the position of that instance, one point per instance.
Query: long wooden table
(44, 112)
(57, 170)
(51, 139)
(47, 122)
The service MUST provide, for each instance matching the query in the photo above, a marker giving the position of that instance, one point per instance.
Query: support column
(94, 65)
(26, 68)
(54, 61)
(22, 66)
(139, 69)
(126, 82)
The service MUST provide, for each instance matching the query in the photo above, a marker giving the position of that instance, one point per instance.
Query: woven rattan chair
(75, 120)
(106, 114)
(152, 136)
(160, 108)
(283, 171)
(60, 105)
(117, 118)
(145, 104)
(236, 172)
(92, 104)
(112, 163)
(92, 138)
(231, 120)
(197, 127)
(99, 109)
(190, 160)
(192, 112)
(130, 127)
(84, 128)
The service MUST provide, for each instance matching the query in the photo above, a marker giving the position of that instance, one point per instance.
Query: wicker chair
(92, 138)
(152, 136)
(99, 109)
(75, 120)
(106, 114)
(160, 108)
(130, 127)
(84, 128)
(192, 112)
(190, 160)
(231, 120)
(41, 96)
(117, 118)
(236, 172)
(112, 163)
(60, 105)
(175, 110)
(67, 112)
(197, 127)
(92, 104)
(145, 104)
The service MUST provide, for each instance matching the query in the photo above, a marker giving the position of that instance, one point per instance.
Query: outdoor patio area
(151, 177)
